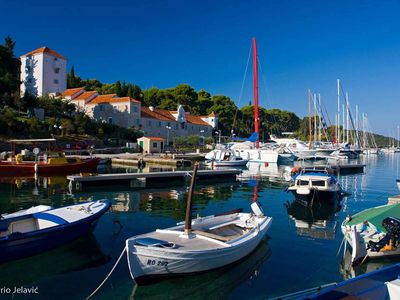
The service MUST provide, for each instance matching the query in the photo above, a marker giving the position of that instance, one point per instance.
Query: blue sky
(301, 44)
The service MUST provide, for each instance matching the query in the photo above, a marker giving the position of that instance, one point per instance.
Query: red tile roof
(154, 138)
(111, 98)
(159, 114)
(85, 95)
(102, 99)
(195, 120)
(71, 92)
(44, 50)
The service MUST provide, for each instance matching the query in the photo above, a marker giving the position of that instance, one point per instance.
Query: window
(155, 145)
(57, 70)
(318, 183)
(55, 58)
(55, 81)
(135, 109)
(110, 120)
(303, 182)
(149, 123)
(176, 126)
(159, 124)
(101, 107)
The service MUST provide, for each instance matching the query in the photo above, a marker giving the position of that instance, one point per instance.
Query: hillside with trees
(15, 108)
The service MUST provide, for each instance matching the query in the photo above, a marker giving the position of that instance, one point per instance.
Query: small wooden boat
(315, 184)
(51, 166)
(377, 285)
(373, 233)
(196, 245)
(26, 234)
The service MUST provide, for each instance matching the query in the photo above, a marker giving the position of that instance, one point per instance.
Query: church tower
(43, 71)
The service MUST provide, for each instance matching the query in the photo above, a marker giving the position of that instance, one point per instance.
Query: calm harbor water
(300, 251)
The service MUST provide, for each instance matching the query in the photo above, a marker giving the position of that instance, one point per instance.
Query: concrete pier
(77, 182)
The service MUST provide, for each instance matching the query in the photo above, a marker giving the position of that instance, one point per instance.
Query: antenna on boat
(188, 219)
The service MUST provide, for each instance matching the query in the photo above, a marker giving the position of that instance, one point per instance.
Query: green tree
(9, 72)
(225, 109)
(185, 95)
(118, 88)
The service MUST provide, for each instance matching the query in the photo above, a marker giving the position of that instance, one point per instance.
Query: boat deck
(195, 243)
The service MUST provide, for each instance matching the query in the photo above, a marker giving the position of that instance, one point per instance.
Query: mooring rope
(108, 275)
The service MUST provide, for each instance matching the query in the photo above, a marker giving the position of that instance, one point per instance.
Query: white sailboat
(252, 150)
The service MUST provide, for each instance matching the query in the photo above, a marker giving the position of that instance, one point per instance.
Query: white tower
(43, 71)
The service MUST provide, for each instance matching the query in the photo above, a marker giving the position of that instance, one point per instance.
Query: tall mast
(344, 131)
(315, 119)
(319, 117)
(357, 135)
(338, 113)
(347, 118)
(309, 118)
(255, 84)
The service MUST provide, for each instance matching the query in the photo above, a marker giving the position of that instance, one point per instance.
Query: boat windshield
(318, 183)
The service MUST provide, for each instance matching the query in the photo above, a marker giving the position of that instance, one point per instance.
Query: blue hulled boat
(25, 234)
(377, 285)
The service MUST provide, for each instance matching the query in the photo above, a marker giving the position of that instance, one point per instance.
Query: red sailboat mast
(255, 83)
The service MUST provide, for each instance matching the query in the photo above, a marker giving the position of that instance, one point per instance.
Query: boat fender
(18, 158)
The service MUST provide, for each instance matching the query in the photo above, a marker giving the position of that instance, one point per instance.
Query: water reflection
(317, 220)
(348, 271)
(80, 254)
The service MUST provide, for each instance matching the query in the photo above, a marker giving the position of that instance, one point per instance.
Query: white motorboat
(297, 147)
(373, 233)
(198, 245)
(248, 150)
(225, 158)
(315, 184)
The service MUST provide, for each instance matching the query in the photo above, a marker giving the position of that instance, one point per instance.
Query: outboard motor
(392, 226)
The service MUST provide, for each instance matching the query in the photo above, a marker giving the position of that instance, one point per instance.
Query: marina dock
(77, 182)
(344, 169)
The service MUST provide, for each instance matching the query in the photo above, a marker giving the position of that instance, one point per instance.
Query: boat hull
(28, 168)
(318, 195)
(18, 245)
(155, 263)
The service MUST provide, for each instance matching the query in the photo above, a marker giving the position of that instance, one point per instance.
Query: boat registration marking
(160, 263)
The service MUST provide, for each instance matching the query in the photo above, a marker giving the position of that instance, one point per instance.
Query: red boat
(54, 166)
(48, 163)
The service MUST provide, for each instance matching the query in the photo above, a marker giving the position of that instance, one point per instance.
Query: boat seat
(213, 236)
(5, 223)
(151, 242)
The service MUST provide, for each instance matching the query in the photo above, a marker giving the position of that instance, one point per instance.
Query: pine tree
(118, 88)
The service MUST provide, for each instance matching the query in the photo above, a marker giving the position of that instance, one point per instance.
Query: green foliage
(9, 72)
(190, 140)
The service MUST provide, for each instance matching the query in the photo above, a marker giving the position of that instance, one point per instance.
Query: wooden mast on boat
(188, 219)
(255, 84)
